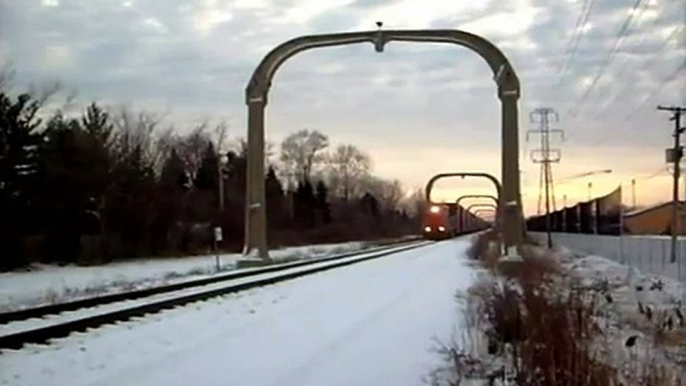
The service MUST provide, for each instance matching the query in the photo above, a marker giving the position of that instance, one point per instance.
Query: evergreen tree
(19, 163)
(370, 205)
(322, 202)
(275, 199)
(65, 186)
(207, 174)
(174, 175)
(131, 203)
(172, 184)
(305, 204)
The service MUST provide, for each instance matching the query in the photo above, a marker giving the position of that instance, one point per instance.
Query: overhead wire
(636, 109)
(667, 80)
(632, 85)
(622, 92)
(576, 38)
(608, 59)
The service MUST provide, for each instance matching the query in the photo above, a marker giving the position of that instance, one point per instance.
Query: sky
(418, 109)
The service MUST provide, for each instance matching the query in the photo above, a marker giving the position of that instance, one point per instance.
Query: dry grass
(485, 249)
(543, 325)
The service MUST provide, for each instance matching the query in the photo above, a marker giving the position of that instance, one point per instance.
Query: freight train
(440, 222)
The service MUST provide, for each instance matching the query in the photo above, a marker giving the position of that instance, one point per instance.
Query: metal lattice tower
(545, 155)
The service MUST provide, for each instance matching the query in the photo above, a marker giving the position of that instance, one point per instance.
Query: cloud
(373, 3)
(194, 59)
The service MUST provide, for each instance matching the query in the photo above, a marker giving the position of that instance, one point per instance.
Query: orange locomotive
(439, 222)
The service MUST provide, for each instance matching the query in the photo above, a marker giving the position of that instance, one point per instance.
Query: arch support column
(260, 82)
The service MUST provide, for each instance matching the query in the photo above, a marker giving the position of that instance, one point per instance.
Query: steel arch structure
(466, 196)
(512, 224)
(478, 212)
(257, 92)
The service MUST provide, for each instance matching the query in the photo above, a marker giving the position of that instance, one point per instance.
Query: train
(440, 222)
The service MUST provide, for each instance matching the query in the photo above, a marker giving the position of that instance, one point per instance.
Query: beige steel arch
(432, 181)
(511, 224)
(482, 205)
(479, 212)
(257, 95)
(460, 216)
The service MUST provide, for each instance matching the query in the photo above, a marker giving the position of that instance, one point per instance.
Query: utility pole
(633, 193)
(545, 156)
(674, 156)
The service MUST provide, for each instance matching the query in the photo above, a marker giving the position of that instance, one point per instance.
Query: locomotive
(440, 222)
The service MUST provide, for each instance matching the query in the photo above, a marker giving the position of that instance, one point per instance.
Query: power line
(635, 110)
(608, 59)
(623, 93)
(662, 170)
(576, 38)
(657, 90)
(649, 97)
(630, 85)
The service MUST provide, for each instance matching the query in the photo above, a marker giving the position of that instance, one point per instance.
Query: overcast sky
(417, 109)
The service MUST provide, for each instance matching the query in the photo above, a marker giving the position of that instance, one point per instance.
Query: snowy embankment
(636, 306)
(563, 317)
(372, 323)
(48, 284)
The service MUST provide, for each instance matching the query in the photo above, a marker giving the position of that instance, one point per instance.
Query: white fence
(646, 253)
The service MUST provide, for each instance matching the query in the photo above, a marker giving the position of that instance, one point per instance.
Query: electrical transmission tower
(545, 155)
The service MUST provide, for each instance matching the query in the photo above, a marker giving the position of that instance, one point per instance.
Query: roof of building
(637, 212)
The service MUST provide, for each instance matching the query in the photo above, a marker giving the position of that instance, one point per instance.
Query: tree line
(112, 184)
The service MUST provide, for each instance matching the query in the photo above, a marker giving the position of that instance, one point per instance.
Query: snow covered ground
(372, 323)
(47, 284)
(634, 303)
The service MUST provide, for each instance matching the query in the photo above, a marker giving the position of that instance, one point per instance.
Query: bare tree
(192, 147)
(414, 203)
(388, 192)
(45, 91)
(347, 166)
(240, 147)
(301, 151)
(6, 77)
(135, 130)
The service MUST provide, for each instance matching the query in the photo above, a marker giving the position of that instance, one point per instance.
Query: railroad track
(40, 324)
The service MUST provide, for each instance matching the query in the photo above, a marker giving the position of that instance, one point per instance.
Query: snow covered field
(53, 284)
(371, 323)
(646, 307)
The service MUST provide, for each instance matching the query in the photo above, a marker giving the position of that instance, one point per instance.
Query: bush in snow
(537, 324)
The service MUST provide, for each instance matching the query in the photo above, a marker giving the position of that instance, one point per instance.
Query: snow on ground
(372, 323)
(634, 303)
(53, 284)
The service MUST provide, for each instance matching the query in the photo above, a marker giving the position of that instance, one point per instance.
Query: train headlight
(441, 229)
(427, 229)
(435, 209)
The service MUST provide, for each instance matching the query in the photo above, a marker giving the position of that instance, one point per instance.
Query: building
(654, 220)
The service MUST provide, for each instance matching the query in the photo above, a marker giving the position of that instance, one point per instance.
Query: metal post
(255, 215)
(221, 186)
(675, 187)
(676, 159)
(511, 200)
(546, 151)
(590, 185)
(217, 264)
